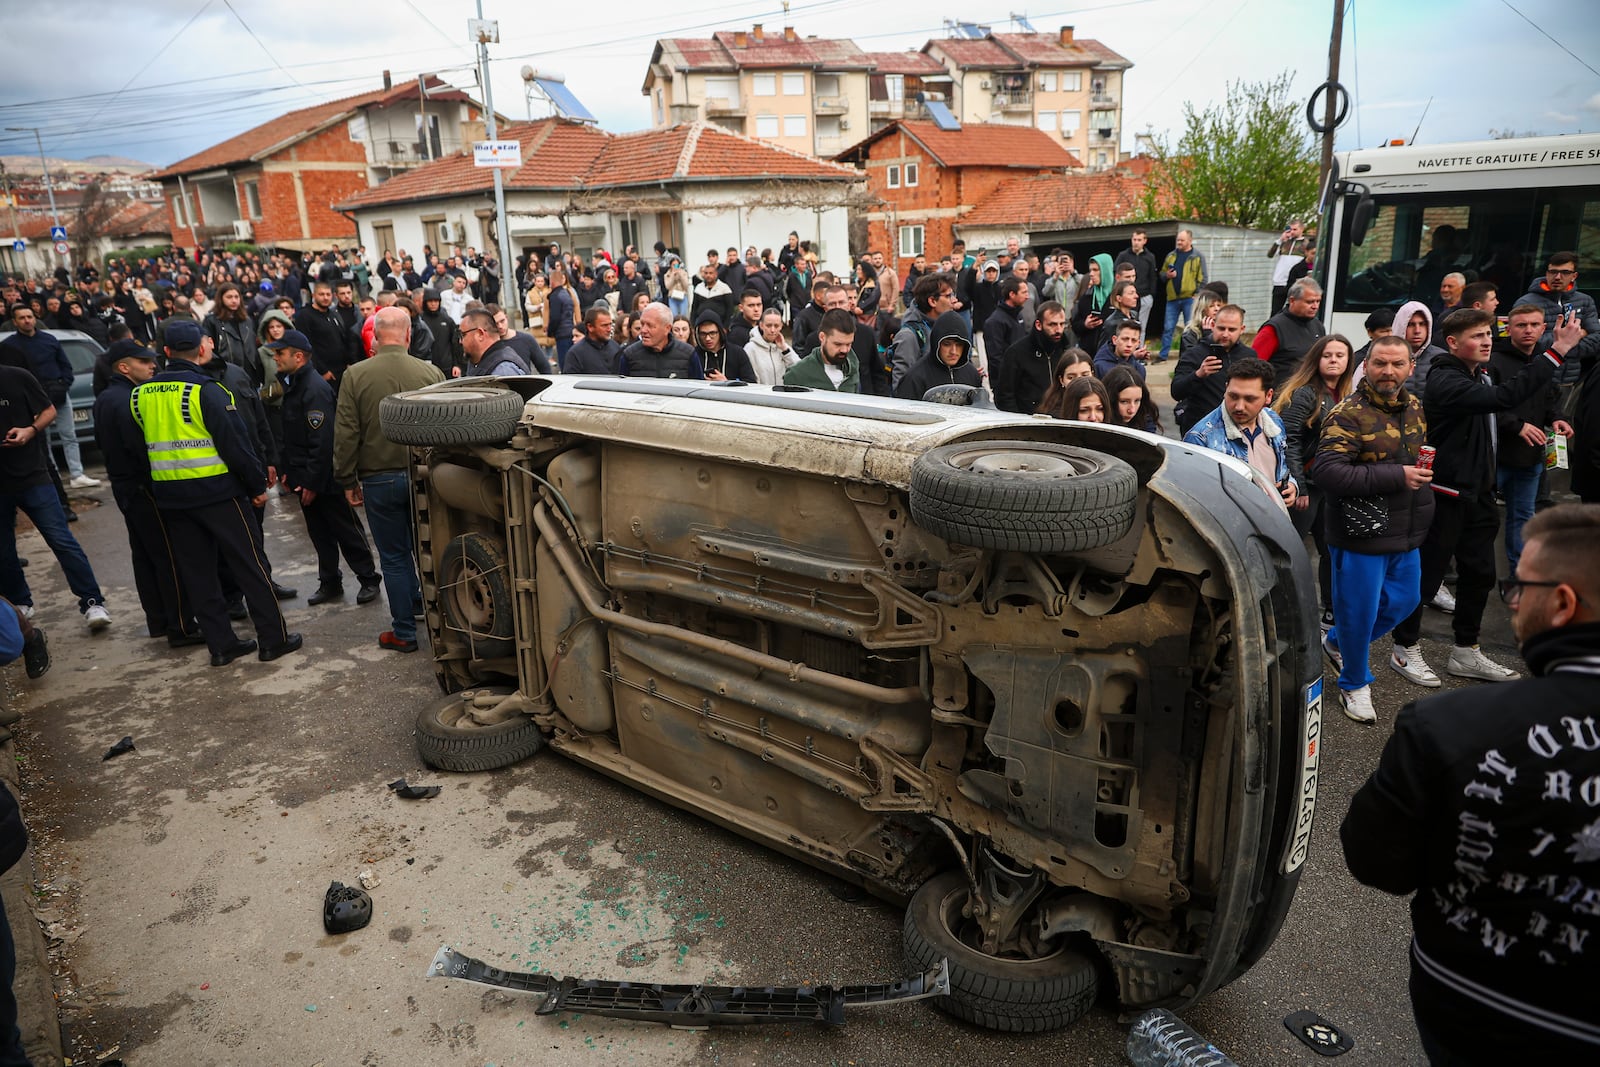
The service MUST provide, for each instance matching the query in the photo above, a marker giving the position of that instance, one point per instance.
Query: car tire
(1023, 496)
(447, 745)
(475, 594)
(465, 416)
(1013, 995)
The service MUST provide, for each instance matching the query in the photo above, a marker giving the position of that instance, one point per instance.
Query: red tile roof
(561, 154)
(977, 144)
(134, 218)
(1047, 201)
(904, 63)
(772, 51)
(1046, 50)
(977, 55)
(697, 53)
(298, 124)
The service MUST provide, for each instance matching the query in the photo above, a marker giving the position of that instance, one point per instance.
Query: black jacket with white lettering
(1486, 805)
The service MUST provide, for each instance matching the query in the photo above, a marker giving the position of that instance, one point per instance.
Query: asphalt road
(190, 874)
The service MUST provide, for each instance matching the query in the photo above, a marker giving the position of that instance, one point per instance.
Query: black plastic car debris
(692, 1005)
(345, 908)
(413, 792)
(121, 747)
(1318, 1034)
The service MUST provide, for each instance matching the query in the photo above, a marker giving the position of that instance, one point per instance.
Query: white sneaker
(1357, 704)
(1444, 600)
(27, 611)
(1409, 664)
(97, 617)
(1470, 662)
(83, 481)
(1331, 650)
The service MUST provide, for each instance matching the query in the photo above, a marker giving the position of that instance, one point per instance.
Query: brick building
(927, 178)
(276, 184)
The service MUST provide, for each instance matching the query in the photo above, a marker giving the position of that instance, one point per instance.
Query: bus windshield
(1500, 236)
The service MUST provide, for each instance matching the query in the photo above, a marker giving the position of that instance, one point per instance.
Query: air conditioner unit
(243, 229)
(984, 84)
(451, 232)
(844, 124)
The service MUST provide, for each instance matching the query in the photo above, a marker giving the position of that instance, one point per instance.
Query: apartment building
(1067, 86)
(819, 96)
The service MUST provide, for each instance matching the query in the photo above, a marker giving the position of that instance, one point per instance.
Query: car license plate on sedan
(1306, 804)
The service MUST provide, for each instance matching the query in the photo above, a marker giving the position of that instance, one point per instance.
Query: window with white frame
(179, 216)
(794, 125)
(1071, 81)
(1047, 82)
(893, 175)
(766, 125)
(1046, 120)
(909, 175)
(1070, 121)
(794, 85)
(910, 241)
(764, 84)
(252, 200)
(661, 112)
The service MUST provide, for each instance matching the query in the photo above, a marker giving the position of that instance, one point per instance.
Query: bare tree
(96, 210)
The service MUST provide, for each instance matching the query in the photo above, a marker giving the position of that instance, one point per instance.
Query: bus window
(1415, 240)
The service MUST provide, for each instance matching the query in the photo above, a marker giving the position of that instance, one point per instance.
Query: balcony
(407, 153)
(886, 109)
(1014, 100)
(1103, 135)
(829, 146)
(832, 105)
(1101, 98)
(724, 105)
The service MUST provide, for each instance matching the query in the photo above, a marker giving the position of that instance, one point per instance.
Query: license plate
(1306, 794)
(80, 414)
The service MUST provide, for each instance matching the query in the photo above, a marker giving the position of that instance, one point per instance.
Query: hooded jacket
(931, 370)
(446, 336)
(1541, 409)
(1023, 375)
(1416, 384)
(1093, 300)
(1366, 441)
(1582, 305)
(264, 372)
(728, 360)
(769, 361)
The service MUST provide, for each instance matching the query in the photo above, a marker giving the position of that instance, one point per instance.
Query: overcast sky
(159, 82)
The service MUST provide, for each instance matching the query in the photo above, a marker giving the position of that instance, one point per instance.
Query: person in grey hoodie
(948, 362)
(1414, 322)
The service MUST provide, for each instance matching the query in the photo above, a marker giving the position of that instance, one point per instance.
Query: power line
(1198, 52)
(170, 42)
(1551, 39)
(450, 40)
(262, 45)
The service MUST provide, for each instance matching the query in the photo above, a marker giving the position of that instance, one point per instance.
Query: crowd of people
(228, 376)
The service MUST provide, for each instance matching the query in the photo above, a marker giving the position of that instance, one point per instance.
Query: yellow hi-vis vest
(175, 434)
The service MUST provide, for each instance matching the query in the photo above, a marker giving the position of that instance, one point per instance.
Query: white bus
(1402, 217)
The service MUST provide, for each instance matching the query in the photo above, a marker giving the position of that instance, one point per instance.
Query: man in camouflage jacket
(1366, 463)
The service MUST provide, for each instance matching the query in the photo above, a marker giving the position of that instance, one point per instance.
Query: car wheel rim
(965, 930)
(1039, 464)
(471, 599)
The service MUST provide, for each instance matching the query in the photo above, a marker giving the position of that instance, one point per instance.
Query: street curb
(33, 985)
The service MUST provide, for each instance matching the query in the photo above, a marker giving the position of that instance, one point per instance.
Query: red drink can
(1425, 456)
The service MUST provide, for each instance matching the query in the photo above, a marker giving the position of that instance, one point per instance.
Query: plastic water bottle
(1161, 1039)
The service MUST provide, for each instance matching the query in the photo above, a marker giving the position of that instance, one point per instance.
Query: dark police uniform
(155, 574)
(203, 474)
(308, 409)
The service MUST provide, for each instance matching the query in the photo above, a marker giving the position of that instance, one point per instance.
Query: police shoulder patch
(314, 419)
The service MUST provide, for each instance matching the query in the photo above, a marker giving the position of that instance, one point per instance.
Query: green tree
(1248, 161)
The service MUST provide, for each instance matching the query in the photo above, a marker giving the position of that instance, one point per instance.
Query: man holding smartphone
(1197, 383)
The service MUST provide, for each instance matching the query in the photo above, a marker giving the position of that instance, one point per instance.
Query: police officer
(155, 575)
(205, 476)
(308, 410)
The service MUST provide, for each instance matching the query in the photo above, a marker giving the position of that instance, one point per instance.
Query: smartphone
(1219, 351)
(1566, 312)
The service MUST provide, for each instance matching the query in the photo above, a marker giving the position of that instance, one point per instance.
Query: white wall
(1239, 257)
(722, 228)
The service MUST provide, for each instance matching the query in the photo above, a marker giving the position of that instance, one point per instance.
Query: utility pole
(44, 164)
(506, 269)
(1332, 105)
